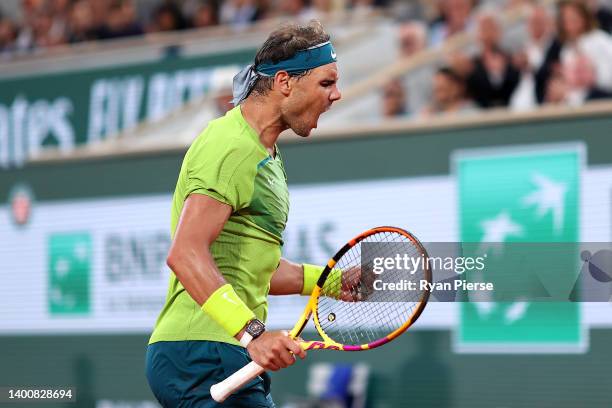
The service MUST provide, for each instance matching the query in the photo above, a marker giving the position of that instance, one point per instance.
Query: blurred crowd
(564, 57)
(45, 23)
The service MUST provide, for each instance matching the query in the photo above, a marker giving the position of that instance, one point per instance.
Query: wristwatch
(253, 330)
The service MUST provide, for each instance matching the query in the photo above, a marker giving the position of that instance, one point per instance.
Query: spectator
(121, 21)
(448, 95)
(585, 55)
(412, 40)
(60, 13)
(43, 36)
(493, 78)
(100, 10)
(167, 17)
(435, 12)
(8, 34)
(26, 41)
(38, 30)
(556, 90)
(32, 7)
(602, 14)
(578, 48)
(540, 31)
(205, 15)
(455, 18)
(393, 99)
(240, 13)
(82, 23)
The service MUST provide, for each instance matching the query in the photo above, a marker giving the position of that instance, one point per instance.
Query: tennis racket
(356, 306)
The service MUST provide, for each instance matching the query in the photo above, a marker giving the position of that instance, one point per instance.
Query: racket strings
(353, 309)
(394, 317)
(368, 323)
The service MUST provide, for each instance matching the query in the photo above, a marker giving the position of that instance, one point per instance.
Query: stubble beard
(301, 129)
(298, 125)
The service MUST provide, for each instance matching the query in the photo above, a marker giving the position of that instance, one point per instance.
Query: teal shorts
(180, 374)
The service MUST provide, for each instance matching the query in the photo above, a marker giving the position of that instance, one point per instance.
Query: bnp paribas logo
(521, 195)
(69, 273)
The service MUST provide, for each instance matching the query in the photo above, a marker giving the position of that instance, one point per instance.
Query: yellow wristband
(311, 276)
(333, 283)
(227, 309)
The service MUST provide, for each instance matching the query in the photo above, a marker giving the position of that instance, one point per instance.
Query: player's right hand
(275, 350)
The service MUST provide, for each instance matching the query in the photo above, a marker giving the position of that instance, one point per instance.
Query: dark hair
(450, 74)
(283, 43)
(174, 11)
(583, 10)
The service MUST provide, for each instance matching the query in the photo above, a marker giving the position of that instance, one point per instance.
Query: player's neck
(264, 117)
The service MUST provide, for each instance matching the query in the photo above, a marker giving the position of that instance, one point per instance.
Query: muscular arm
(189, 258)
(201, 222)
(288, 279)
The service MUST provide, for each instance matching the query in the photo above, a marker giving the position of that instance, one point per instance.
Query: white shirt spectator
(596, 47)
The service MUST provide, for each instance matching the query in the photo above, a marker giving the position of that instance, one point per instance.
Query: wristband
(227, 309)
(311, 276)
(333, 283)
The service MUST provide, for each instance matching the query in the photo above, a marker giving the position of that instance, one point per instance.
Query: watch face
(255, 328)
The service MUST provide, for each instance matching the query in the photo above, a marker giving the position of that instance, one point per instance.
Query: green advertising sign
(69, 273)
(81, 106)
(524, 194)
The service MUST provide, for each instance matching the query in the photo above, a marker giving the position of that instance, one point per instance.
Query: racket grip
(227, 387)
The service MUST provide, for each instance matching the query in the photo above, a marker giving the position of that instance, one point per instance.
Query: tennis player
(229, 211)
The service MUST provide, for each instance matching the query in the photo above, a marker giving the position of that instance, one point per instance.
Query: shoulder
(224, 139)
(222, 162)
(596, 38)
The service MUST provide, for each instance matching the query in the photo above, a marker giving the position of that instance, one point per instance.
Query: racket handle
(227, 387)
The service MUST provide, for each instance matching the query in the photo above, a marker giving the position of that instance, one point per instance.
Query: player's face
(311, 95)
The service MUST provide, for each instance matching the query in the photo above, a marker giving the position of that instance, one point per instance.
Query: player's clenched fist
(275, 350)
